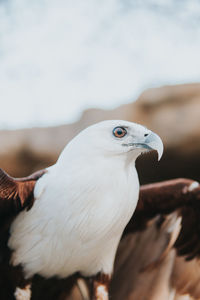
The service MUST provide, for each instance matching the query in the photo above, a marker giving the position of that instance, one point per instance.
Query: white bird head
(115, 137)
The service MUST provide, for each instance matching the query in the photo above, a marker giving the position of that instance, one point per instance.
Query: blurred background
(67, 64)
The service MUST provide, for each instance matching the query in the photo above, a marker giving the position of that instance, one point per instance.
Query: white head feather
(99, 140)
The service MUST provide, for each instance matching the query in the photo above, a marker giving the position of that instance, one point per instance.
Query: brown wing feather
(147, 267)
(144, 262)
(16, 193)
(159, 198)
(164, 198)
(158, 201)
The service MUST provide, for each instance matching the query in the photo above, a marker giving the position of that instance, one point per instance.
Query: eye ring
(119, 132)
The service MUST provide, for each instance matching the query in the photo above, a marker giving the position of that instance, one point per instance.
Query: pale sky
(60, 57)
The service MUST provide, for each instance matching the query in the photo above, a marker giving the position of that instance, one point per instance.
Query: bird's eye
(119, 132)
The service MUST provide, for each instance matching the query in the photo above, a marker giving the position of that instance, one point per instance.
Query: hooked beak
(152, 142)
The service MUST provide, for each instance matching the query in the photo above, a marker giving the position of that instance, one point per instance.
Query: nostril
(146, 134)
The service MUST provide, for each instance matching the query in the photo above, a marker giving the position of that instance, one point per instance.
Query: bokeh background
(67, 64)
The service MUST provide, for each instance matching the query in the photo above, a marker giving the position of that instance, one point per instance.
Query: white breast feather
(76, 221)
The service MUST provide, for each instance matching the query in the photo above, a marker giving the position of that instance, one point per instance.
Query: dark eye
(119, 132)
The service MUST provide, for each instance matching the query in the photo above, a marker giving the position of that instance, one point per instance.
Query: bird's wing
(181, 195)
(16, 193)
(161, 252)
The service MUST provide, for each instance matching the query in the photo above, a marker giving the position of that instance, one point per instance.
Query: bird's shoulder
(16, 194)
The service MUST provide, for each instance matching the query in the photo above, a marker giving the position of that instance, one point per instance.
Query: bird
(69, 218)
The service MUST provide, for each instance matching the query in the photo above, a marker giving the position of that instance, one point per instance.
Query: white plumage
(82, 203)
